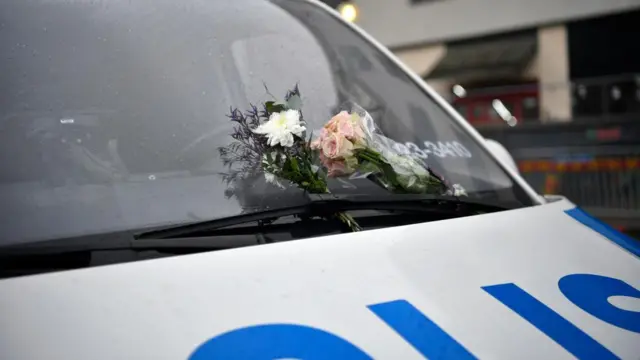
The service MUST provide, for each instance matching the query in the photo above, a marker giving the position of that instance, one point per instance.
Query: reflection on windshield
(112, 117)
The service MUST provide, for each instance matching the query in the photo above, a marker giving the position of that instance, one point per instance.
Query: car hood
(507, 285)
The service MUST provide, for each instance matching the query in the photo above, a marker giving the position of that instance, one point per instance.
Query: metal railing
(605, 183)
(592, 157)
(608, 187)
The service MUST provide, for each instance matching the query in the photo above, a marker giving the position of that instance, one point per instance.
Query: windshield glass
(112, 112)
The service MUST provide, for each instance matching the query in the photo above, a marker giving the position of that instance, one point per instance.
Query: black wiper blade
(206, 234)
(124, 241)
(441, 203)
(328, 204)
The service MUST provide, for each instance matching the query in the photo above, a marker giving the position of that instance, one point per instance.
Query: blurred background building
(557, 82)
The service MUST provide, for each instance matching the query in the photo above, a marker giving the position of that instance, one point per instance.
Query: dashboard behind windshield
(112, 113)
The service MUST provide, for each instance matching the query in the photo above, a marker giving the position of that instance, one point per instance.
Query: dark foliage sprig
(244, 157)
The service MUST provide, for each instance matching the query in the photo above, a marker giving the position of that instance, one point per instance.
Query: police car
(120, 239)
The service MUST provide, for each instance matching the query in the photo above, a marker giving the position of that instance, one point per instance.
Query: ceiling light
(348, 11)
(459, 91)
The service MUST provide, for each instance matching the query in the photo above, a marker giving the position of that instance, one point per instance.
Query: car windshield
(112, 112)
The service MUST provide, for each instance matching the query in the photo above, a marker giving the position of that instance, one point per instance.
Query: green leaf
(294, 165)
(274, 107)
(294, 102)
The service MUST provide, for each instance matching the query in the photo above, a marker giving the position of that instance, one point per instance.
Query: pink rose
(335, 146)
(326, 162)
(332, 125)
(336, 168)
(347, 125)
(317, 143)
(345, 148)
(346, 128)
(357, 128)
(330, 146)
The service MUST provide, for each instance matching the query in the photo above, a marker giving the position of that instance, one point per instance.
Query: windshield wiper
(237, 231)
(325, 205)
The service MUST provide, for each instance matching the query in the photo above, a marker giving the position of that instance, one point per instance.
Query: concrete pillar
(422, 60)
(553, 67)
(442, 87)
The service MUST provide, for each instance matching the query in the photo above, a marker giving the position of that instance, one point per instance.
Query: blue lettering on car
(587, 291)
(420, 331)
(552, 324)
(591, 293)
(278, 341)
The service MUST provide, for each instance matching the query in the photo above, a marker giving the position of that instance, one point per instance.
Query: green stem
(346, 218)
(349, 221)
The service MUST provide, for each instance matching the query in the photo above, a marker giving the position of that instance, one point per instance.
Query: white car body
(544, 282)
(169, 308)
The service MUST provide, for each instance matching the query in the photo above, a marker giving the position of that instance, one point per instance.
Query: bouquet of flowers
(274, 139)
(350, 143)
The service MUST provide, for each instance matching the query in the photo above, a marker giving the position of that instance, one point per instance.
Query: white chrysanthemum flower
(281, 127)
